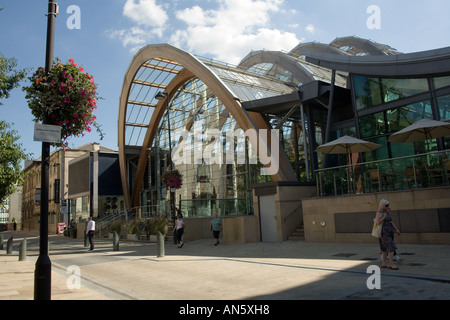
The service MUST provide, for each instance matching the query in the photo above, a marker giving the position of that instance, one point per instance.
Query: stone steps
(298, 235)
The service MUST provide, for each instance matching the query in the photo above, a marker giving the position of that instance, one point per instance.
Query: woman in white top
(179, 228)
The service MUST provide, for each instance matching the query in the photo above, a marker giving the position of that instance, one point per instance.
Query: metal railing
(223, 207)
(420, 171)
(104, 223)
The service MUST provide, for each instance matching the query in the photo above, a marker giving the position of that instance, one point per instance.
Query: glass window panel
(367, 92)
(441, 82)
(372, 125)
(444, 107)
(394, 89)
(380, 153)
(402, 117)
(373, 91)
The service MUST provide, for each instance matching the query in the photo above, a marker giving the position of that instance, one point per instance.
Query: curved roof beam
(357, 45)
(277, 58)
(427, 63)
(315, 46)
(193, 66)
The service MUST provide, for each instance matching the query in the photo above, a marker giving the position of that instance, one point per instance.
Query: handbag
(376, 229)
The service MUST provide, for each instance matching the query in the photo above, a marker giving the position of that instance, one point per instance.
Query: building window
(441, 82)
(374, 91)
(400, 118)
(444, 107)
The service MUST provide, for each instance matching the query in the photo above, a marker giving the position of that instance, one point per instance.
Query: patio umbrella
(347, 145)
(424, 129)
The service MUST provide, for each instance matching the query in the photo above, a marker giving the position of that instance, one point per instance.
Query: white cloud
(227, 32)
(145, 12)
(310, 28)
(233, 30)
(151, 19)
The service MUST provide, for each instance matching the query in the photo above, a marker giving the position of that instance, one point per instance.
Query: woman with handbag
(386, 240)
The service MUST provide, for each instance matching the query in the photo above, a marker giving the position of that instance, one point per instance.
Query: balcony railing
(421, 171)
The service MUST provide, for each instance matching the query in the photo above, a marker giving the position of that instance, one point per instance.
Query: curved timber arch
(299, 74)
(191, 67)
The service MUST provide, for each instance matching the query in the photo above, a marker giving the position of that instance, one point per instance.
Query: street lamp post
(43, 270)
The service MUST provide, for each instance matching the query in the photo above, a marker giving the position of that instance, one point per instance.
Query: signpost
(43, 270)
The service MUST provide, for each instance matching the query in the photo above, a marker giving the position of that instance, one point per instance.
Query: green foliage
(134, 229)
(9, 77)
(116, 226)
(11, 157)
(159, 223)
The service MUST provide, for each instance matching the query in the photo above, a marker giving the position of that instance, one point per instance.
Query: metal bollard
(160, 250)
(1, 242)
(23, 250)
(116, 239)
(9, 245)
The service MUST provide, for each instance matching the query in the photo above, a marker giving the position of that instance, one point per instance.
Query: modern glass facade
(331, 103)
(195, 127)
(390, 115)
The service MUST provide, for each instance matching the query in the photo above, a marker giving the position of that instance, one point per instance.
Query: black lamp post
(43, 271)
(164, 96)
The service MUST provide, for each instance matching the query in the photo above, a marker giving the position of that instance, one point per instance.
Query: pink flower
(75, 115)
(67, 100)
(63, 90)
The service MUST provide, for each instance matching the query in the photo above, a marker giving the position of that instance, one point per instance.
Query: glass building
(196, 115)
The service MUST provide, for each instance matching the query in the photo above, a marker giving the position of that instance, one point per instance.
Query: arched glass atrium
(313, 94)
(192, 107)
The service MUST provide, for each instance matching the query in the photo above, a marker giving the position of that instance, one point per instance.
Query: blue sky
(113, 30)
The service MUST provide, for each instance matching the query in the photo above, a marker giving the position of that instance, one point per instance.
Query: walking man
(90, 230)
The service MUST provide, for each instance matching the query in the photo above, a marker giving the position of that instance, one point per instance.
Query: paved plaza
(292, 270)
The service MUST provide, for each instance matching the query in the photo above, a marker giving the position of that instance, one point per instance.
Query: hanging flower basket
(66, 97)
(172, 179)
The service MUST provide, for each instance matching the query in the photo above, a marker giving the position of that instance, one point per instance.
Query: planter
(133, 236)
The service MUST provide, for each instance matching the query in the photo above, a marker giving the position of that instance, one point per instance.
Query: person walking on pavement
(215, 226)
(386, 240)
(90, 230)
(179, 230)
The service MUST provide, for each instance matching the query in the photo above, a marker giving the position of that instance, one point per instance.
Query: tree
(9, 77)
(11, 156)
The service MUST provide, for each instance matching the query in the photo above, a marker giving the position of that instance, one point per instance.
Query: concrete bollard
(23, 250)
(116, 239)
(160, 250)
(9, 245)
(1, 242)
